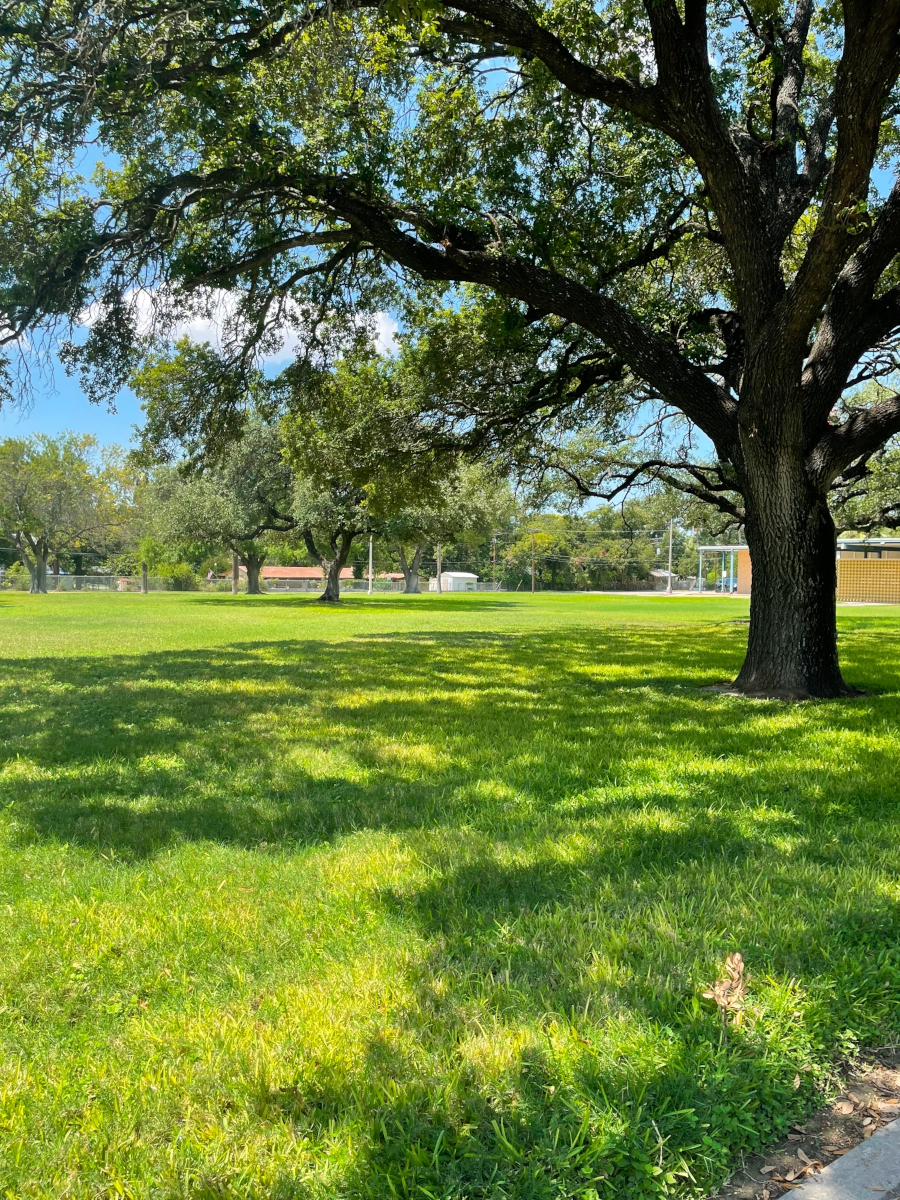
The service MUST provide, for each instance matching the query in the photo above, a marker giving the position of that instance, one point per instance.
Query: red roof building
(277, 573)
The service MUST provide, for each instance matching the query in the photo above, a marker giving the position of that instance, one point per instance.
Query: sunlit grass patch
(420, 900)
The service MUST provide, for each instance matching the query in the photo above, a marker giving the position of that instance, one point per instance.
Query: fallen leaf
(867, 1121)
(844, 1108)
(799, 1128)
(767, 1170)
(793, 1137)
(867, 1133)
(802, 1154)
(796, 1082)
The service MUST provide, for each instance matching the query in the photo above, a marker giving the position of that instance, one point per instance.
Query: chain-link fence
(20, 581)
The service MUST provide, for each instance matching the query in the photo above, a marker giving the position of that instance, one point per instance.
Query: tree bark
(38, 571)
(36, 562)
(792, 644)
(253, 563)
(410, 569)
(340, 543)
(332, 568)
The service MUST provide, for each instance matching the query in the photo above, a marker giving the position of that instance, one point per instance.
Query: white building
(455, 581)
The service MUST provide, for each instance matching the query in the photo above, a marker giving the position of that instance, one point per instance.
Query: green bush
(179, 576)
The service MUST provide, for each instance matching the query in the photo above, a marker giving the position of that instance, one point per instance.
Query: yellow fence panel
(868, 580)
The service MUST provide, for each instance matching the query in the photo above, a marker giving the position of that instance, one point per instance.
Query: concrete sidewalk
(870, 1171)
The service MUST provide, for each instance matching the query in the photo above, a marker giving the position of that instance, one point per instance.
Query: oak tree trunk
(410, 569)
(332, 568)
(38, 571)
(792, 644)
(254, 566)
(340, 542)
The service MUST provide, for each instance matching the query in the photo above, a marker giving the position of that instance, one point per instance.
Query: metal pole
(235, 574)
(532, 560)
(371, 577)
(494, 558)
(669, 584)
(145, 583)
(439, 566)
(731, 574)
(700, 574)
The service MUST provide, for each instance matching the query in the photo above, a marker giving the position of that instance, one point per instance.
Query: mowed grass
(419, 897)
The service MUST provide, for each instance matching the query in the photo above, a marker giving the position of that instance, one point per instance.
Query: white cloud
(386, 330)
(216, 317)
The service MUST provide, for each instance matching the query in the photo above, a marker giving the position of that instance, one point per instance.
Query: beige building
(868, 569)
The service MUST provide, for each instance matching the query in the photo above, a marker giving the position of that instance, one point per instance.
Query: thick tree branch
(512, 25)
(864, 432)
(853, 322)
(867, 72)
(648, 354)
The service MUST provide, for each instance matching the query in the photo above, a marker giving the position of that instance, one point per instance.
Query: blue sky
(59, 404)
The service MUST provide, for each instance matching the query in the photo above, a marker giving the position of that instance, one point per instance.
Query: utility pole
(371, 576)
(439, 566)
(669, 581)
(235, 574)
(145, 588)
(532, 560)
(494, 558)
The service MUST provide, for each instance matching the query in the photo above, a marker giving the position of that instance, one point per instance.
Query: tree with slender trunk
(467, 502)
(676, 196)
(329, 518)
(410, 567)
(332, 560)
(362, 454)
(57, 497)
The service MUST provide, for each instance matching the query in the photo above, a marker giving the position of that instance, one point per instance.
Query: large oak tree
(677, 195)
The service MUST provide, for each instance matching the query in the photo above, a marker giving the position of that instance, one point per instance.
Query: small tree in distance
(59, 496)
(467, 503)
(329, 518)
(363, 456)
(247, 494)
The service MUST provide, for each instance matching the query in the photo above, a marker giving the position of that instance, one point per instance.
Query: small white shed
(455, 581)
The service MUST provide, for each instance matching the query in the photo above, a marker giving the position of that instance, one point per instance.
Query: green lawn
(419, 897)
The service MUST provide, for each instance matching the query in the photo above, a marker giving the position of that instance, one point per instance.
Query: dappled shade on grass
(422, 900)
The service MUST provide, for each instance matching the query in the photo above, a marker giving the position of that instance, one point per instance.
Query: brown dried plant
(730, 993)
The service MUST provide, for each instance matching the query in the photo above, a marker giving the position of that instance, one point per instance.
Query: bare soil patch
(870, 1099)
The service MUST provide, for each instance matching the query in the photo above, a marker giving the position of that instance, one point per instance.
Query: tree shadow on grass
(399, 602)
(306, 740)
(597, 834)
(561, 1042)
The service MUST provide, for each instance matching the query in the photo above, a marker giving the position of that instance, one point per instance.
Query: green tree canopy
(361, 452)
(60, 496)
(467, 503)
(233, 503)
